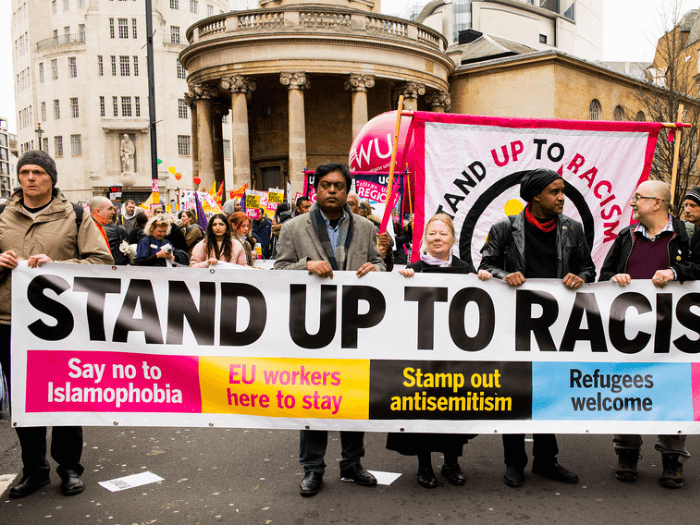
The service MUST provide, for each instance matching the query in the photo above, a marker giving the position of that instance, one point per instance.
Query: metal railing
(72, 38)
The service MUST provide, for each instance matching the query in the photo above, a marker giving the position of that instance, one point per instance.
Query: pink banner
(84, 381)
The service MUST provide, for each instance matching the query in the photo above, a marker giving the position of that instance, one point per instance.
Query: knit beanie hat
(39, 158)
(694, 195)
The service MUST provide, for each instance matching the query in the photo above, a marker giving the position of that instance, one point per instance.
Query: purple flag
(201, 218)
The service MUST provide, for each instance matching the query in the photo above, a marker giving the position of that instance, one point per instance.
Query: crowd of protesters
(338, 232)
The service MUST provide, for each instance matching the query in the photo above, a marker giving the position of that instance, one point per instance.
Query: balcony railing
(58, 40)
(322, 19)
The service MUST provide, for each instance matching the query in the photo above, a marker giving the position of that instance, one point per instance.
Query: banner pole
(676, 151)
(394, 149)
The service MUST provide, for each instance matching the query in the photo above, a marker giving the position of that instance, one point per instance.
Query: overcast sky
(631, 28)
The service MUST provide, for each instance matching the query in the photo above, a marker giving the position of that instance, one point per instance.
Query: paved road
(252, 476)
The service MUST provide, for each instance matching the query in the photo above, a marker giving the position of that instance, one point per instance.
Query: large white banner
(94, 345)
(471, 167)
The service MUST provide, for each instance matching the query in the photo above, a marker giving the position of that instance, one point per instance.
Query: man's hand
(662, 278)
(365, 268)
(383, 244)
(572, 281)
(9, 260)
(484, 275)
(320, 268)
(514, 279)
(276, 229)
(623, 279)
(35, 260)
(407, 272)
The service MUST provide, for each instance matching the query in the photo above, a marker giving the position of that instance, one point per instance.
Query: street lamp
(39, 132)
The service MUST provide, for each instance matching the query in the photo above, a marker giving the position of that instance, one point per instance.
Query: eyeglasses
(637, 197)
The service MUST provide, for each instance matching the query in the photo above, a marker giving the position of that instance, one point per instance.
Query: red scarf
(544, 226)
(104, 235)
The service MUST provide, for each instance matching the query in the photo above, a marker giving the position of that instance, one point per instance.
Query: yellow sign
(298, 388)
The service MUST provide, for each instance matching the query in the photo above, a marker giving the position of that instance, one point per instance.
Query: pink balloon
(371, 149)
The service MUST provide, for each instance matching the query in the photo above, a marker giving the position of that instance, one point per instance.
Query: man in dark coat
(540, 242)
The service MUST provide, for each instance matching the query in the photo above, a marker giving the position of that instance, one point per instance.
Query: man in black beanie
(691, 208)
(38, 225)
(540, 242)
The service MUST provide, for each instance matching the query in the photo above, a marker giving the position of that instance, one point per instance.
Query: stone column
(194, 146)
(239, 86)
(439, 101)
(218, 110)
(205, 141)
(359, 84)
(410, 91)
(296, 83)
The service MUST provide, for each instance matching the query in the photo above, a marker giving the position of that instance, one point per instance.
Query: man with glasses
(330, 238)
(656, 248)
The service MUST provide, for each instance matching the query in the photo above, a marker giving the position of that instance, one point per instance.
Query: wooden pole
(394, 150)
(676, 151)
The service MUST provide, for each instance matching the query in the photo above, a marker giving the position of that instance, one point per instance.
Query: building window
(66, 32)
(227, 149)
(123, 28)
(137, 106)
(41, 72)
(618, 114)
(543, 39)
(115, 106)
(224, 119)
(114, 66)
(45, 143)
(183, 145)
(181, 72)
(210, 10)
(594, 110)
(54, 69)
(81, 4)
(103, 111)
(641, 117)
(66, 5)
(111, 28)
(174, 35)
(174, 4)
(43, 111)
(126, 106)
(100, 66)
(134, 30)
(58, 146)
(74, 109)
(181, 108)
(76, 147)
(136, 66)
(56, 110)
(72, 67)
(53, 6)
(81, 32)
(124, 69)
(194, 6)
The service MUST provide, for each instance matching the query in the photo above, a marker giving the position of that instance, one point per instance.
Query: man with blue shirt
(330, 238)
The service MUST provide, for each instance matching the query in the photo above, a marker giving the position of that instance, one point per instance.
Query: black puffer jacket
(504, 251)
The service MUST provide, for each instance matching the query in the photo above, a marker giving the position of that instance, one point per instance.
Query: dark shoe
(514, 476)
(27, 485)
(426, 477)
(311, 483)
(554, 471)
(359, 475)
(453, 474)
(672, 478)
(71, 483)
(627, 465)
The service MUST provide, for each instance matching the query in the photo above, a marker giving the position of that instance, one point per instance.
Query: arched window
(594, 110)
(640, 117)
(618, 114)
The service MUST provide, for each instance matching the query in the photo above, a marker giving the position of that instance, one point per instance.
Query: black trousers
(66, 442)
(544, 449)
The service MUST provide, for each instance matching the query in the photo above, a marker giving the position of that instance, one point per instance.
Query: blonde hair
(156, 221)
(442, 217)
